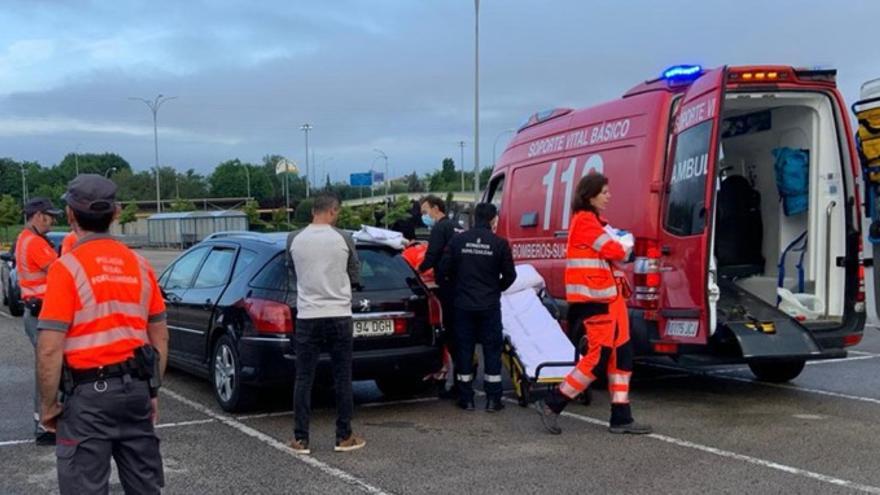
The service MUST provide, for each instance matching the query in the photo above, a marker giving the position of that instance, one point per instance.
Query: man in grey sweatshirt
(325, 264)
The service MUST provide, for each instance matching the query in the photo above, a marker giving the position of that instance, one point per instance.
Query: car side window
(275, 275)
(496, 191)
(180, 275)
(245, 258)
(215, 270)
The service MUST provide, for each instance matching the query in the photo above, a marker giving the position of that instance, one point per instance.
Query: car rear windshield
(380, 270)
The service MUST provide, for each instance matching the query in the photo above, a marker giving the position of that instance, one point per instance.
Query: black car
(9, 277)
(231, 303)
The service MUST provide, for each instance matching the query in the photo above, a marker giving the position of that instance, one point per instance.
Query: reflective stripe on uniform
(80, 279)
(464, 378)
(618, 397)
(583, 290)
(103, 337)
(586, 263)
(492, 378)
(34, 291)
(618, 379)
(568, 391)
(580, 377)
(600, 242)
(107, 308)
(146, 288)
(25, 275)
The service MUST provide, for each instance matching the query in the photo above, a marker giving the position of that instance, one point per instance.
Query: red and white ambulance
(693, 159)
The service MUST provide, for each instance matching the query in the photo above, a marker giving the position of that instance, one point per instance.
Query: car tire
(16, 306)
(405, 386)
(777, 371)
(225, 373)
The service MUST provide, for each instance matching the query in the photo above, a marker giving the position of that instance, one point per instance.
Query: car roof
(276, 239)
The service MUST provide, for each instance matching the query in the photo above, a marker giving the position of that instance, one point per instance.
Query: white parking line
(8, 443)
(740, 457)
(6, 315)
(276, 444)
(365, 404)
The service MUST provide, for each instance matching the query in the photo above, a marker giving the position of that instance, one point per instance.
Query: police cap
(91, 193)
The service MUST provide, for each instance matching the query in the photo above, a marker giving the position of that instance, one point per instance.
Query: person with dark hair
(442, 229)
(104, 342)
(479, 267)
(327, 268)
(33, 256)
(596, 293)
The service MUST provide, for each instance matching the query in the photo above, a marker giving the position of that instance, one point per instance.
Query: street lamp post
(387, 197)
(76, 158)
(247, 174)
(306, 128)
(461, 145)
(154, 105)
(476, 102)
(24, 192)
(108, 172)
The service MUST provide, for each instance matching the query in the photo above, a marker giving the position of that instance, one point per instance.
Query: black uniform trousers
(104, 419)
(483, 327)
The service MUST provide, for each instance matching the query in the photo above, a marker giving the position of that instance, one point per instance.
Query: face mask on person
(428, 220)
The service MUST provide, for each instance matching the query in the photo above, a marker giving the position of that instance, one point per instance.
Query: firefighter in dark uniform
(442, 229)
(479, 267)
(104, 342)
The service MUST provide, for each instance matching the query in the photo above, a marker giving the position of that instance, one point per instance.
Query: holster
(34, 306)
(147, 367)
(67, 384)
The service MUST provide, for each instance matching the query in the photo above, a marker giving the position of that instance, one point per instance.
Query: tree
(348, 218)
(128, 215)
(230, 180)
(400, 209)
(303, 213)
(250, 209)
(10, 213)
(413, 184)
(91, 163)
(279, 220)
(181, 205)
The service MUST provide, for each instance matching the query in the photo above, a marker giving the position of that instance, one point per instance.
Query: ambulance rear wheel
(226, 376)
(777, 371)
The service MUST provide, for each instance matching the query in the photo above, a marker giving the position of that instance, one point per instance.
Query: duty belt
(104, 372)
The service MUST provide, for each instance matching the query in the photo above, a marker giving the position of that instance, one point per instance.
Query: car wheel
(16, 306)
(396, 386)
(225, 376)
(777, 371)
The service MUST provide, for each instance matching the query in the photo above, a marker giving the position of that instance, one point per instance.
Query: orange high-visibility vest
(103, 295)
(33, 255)
(589, 275)
(68, 242)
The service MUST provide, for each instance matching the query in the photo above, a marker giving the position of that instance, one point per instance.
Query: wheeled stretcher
(536, 351)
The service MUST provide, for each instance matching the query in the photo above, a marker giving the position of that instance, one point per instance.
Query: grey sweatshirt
(326, 265)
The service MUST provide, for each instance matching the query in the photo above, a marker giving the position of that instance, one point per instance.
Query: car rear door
(196, 307)
(687, 215)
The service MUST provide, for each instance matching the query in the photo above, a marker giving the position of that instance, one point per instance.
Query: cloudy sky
(390, 74)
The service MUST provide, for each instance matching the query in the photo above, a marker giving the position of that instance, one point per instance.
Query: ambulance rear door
(686, 215)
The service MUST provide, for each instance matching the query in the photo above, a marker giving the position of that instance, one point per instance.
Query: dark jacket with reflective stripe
(479, 267)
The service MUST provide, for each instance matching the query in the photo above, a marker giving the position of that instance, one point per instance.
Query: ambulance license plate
(373, 328)
(682, 328)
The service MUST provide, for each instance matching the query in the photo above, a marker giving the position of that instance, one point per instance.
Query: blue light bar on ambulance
(679, 72)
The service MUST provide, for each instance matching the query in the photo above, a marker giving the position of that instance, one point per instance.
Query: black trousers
(104, 419)
(483, 327)
(333, 335)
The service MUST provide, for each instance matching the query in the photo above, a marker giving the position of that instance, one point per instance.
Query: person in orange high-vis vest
(33, 255)
(104, 318)
(68, 242)
(596, 293)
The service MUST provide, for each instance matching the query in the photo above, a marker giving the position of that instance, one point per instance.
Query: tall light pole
(385, 157)
(461, 145)
(154, 105)
(306, 128)
(76, 158)
(476, 102)
(24, 192)
(247, 175)
(321, 166)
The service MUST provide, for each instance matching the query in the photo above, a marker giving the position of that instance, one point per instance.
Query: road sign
(364, 179)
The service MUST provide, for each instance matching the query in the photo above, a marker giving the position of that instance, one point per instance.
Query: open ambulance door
(687, 218)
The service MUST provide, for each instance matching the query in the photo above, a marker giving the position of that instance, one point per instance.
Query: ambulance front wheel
(777, 371)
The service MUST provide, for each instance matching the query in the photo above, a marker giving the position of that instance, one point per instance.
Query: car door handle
(173, 298)
(208, 304)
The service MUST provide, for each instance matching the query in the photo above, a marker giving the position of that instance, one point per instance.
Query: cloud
(15, 126)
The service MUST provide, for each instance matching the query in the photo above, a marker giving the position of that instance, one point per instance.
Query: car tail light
(399, 326)
(665, 347)
(435, 311)
(646, 273)
(269, 316)
(851, 340)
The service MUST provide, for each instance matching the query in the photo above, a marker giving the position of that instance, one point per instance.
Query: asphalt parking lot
(717, 431)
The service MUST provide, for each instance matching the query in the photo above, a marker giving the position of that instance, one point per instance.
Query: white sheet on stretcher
(535, 335)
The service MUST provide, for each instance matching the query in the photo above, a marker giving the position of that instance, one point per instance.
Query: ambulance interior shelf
(781, 172)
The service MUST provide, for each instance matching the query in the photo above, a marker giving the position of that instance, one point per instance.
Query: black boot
(623, 422)
(494, 404)
(550, 408)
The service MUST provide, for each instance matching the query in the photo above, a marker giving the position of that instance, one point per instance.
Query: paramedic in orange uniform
(68, 242)
(596, 293)
(33, 255)
(104, 340)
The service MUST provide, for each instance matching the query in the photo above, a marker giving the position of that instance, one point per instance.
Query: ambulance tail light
(860, 294)
(270, 317)
(435, 311)
(646, 273)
